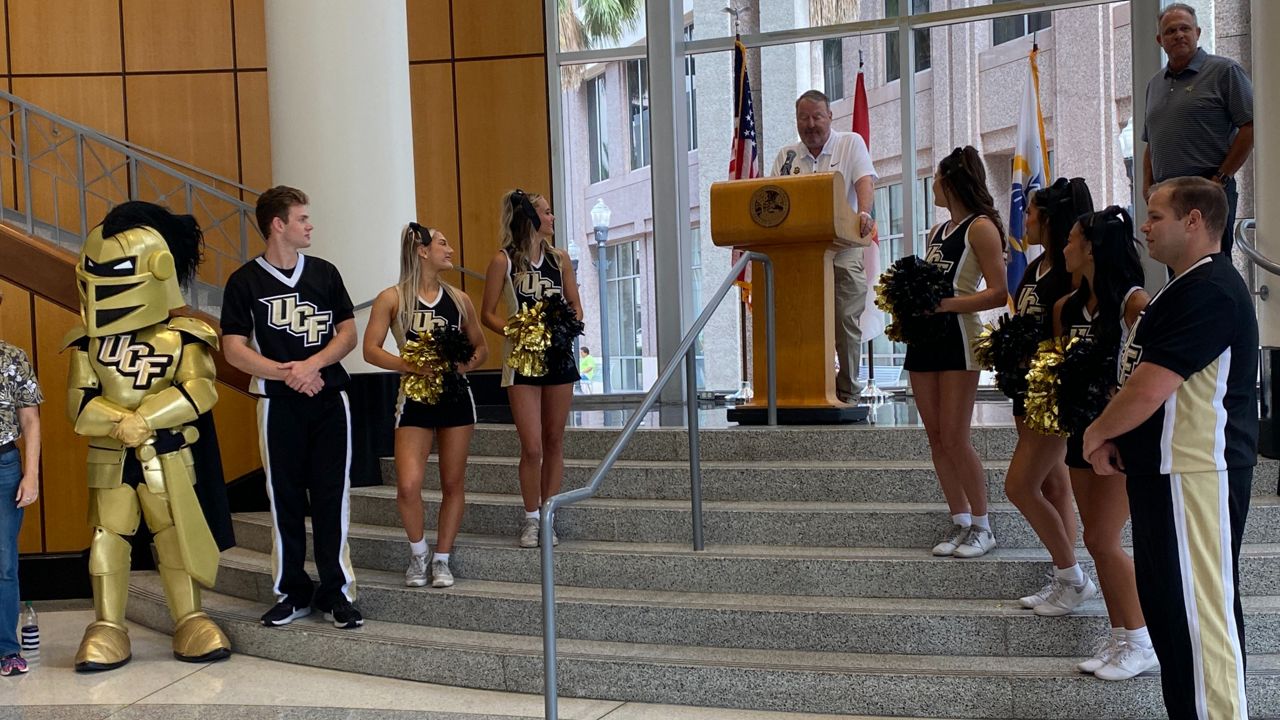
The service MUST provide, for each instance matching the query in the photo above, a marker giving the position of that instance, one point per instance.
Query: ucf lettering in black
(287, 315)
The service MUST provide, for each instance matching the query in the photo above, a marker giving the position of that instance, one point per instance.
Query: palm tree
(590, 22)
(832, 12)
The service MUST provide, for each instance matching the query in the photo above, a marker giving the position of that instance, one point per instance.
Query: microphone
(786, 165)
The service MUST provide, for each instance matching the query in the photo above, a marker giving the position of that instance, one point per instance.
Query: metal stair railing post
(684, 353)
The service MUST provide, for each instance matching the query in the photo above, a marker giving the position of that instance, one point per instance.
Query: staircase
(815, 592)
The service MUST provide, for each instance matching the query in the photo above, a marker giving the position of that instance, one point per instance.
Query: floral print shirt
(18, 389)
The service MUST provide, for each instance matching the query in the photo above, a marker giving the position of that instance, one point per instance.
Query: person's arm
(494, 278)
(472, 328)
(1239, 151)
(1147, 174)
(304, 375)
(865, 188)
(1058, 330)
(570, 282)
(1137, 303)
(384, 308)
(236, 349)
(29, 487)
(984, 239)
(1143, 393)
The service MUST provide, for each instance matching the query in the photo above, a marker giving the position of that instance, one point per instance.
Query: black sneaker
(283, 613)
(343, 614)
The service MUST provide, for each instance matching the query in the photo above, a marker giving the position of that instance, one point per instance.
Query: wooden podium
(799, 221)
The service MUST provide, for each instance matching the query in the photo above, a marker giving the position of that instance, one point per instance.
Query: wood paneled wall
(477, 74)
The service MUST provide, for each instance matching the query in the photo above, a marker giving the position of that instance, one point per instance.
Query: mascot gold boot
(138, 381)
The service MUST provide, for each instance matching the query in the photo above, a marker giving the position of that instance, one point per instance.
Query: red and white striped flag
(872, 321)
(744, 157)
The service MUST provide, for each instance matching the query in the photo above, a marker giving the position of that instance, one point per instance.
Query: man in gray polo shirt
(1199, 113)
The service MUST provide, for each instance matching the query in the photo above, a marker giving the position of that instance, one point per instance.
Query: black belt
(7, 447)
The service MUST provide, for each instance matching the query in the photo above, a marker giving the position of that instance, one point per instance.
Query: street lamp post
(600, 217)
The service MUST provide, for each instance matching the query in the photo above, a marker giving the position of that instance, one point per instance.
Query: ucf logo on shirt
(1029, 302)
(532, 284)
(424, 322)
(934, 256)
(299, 318)
(136, 360)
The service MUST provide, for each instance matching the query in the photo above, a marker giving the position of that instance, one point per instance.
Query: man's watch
(1220, 178)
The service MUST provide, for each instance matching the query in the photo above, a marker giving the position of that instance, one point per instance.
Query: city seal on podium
(770, 205)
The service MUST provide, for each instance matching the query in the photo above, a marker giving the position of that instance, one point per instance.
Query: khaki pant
(851, 300)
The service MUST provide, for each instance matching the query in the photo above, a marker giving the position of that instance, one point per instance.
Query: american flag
(744, 160)
(872, 320)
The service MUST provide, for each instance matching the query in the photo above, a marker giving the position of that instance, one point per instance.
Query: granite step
(966, 686)
(766, 622)
(750, 444)
(810, 571)
(890, 481)
(825, 524)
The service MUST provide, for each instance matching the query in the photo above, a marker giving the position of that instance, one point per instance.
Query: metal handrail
(1250, 250)
(686, 353)
(70, 174)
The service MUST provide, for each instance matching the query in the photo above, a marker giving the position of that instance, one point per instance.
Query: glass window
(587, 25)
(893, 68)
(1011, 28)
(833, 68)
(598, 128)
(626, 340)
(638, 99)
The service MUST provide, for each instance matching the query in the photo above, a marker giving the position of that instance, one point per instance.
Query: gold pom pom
(426, 383)
(983, 347)
(1043, 384)
(530, 339)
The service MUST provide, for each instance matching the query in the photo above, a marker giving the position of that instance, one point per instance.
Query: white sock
(440, 556)
(982, 521)
(1118, 633)
(962, 519)
(1073, 575)
(420, 547)
(1139, 637)
(531, 515)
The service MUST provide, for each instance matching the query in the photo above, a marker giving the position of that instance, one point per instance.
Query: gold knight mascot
(138, 378)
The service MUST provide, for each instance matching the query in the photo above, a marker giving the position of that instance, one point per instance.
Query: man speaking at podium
(822, 150)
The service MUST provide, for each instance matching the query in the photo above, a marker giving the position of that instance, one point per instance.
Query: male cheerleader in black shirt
(287, 321)
(1184, 429)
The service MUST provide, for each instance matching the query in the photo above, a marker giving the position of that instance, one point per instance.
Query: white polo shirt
(845, 152)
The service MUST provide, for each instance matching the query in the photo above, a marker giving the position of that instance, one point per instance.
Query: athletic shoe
(416, 574)
(440, 575)
(555, 539)
(529, 533)
(283, 613)
(1104, 650)
(949, 544)
(977, 543)
(1031, 601)
(13, 664)
(1130, 660)
(343, 614)
(1065, 598)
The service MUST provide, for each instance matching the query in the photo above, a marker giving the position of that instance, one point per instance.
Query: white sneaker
(977, 543)
(952, 541)
(441, 577)
(529, 533)
(416, 575)
(1106, 648)
(1129, 660)
(1065, 597)
(1031, 601)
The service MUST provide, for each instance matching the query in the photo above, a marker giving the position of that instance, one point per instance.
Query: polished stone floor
(154, 686)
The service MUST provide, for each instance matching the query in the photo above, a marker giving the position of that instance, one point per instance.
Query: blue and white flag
(1029, 164)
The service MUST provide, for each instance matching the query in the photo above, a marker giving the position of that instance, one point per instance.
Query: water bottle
(30, 633)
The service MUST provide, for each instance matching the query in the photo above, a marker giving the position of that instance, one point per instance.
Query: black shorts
(551, 378)
(949, 351)
(1075, 453)
(1020, 406)
(454, 413)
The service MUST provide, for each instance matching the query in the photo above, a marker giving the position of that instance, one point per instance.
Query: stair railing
(684, 354)
(58, 178)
